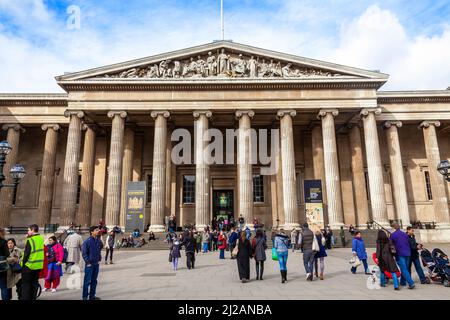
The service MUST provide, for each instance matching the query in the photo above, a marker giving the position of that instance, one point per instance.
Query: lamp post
(17, 172)
(444, 169)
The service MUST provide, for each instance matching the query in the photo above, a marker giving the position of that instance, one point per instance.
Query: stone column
(374, 166)
(71, 166)
(440, 201)
(397, 175)
(331, 163)
(87, 176)
(317, 156)
(47, 185)
(127, 171)
(115, 168)
(202, 178)
(6, 194)
(244, 166)
(159, 171)
(291, 218)
(359, 178)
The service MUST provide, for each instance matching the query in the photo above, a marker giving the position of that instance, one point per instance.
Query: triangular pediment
(222, 60)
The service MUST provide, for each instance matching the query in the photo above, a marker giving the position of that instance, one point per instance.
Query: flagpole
(221, 20)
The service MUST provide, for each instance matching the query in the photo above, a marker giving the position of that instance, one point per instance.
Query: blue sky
(410, 40)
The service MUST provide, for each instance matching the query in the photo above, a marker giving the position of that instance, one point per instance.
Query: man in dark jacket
(32, 263)
(91, 252)
(189, 244)
(415, 255)
(4, 253)
(305, 241)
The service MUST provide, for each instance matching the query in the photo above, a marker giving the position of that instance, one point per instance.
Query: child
(55, 255)
(175, 252)
(359, 250)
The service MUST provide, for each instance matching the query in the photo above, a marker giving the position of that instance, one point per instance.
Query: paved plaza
(138, 275)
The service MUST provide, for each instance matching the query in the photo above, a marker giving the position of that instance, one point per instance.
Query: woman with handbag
(359, 251)
(175, 253)
(222, 244)
(281, 245)
(259, 247)
(55, 255)
(244, 253)
(14, 275)
(321, 254)
(386, 261)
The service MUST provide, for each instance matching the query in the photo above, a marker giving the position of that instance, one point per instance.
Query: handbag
(315, 244)
(66, 254)
(170, 256)
(274, 254)
(4, 265)
(392, 248)
(16, 267)
(235, 251)
(354, 261)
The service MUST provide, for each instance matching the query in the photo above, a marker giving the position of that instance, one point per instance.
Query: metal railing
(372, 224)
(428, 225)
(17, 230)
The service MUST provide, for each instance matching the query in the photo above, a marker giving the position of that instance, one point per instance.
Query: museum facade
(375, 152)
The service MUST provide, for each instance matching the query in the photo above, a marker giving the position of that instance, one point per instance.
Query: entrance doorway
(223, 204)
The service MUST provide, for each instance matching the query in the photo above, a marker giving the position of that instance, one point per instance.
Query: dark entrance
(223, 204)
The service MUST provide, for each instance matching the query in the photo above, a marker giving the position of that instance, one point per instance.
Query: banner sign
(314, 204)
(136, 198)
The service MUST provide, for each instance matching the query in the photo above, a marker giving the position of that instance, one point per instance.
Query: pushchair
(437, 265)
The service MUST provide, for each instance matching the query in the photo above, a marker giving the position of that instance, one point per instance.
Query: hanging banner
(136, 197)
(314, 204)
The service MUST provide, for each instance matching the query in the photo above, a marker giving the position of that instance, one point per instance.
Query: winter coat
(206, 237)
(233, 238)
(413, 246)
(281, 243)
(385, 258)
(92, 250)
(245, 249)
(73, 244)
(259, 247)
(4, 253)
(359, 247)
(13, 278)
(110, 243)
(306, 239)
(223, 242)
(401, 243)
(189, 244)
(175, 249)
(322, 250)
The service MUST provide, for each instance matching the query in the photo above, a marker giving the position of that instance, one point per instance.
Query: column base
(157, 228)
(443, 225)
(289, 226)
(335, 226)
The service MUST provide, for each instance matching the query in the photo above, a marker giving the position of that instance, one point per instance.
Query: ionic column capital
(14, 126)
(354, 124)
(389, 124)
(91, 126)
(122, 114)
(427, 124)
(156, 113)
(54, 126)
(240, 113)
(323, 112)
(77, 113)
(286, 112)
(197, 113)
(366, 111)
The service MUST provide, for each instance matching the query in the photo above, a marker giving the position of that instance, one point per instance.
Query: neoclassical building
(375, 151)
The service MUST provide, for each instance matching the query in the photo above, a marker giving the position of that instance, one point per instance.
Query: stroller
(437, 265)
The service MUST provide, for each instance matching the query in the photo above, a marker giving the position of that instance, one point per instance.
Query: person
(175, 253)
(110, 246)
(320, 255)
(189, 248)
(232, 222)
(205, 240)
(151, 236)
(294, 236)
(166, 222)
(136, 233)
(4, 254)
(359, 250)
(351, 229)
(281, 244)
(248, 233)
(198, 241)
(241, 221)
(232, 240)
(222, 244)
(91, 252)
(243, 257)
(32, 263)
(415, 259)
(385, 258)
(329, 238)
(259, 247)
(72, 243)
(55, 255)
(215, 240)
(403, 254)
(305, 241)
(14, 278)
(342, 236)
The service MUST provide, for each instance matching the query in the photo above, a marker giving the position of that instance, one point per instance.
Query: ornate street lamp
(444, 169)
(17, 172)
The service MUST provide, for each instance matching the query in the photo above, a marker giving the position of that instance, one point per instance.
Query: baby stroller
(437, 265)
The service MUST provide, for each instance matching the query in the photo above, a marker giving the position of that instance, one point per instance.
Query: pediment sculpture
(221, 65)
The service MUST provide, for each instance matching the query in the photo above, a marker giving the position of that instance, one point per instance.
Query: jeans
(403, 262)
(175, 263)
(383, 279)
(6, 293)
(90, 281)
(205, 247)
(322, 264)
(222, 254)
(308, 260)
(366, 267)
(282, 260)
(418, 267)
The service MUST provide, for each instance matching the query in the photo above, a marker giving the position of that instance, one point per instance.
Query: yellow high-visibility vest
(36, 258)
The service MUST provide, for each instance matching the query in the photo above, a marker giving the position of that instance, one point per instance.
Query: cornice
(429, 96)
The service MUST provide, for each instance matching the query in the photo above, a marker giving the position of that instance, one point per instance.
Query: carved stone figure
(222, 62)
(201, 66)
(211, 64)
(164, 70)
(176, 69)
(252, 66)
(238, 66)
